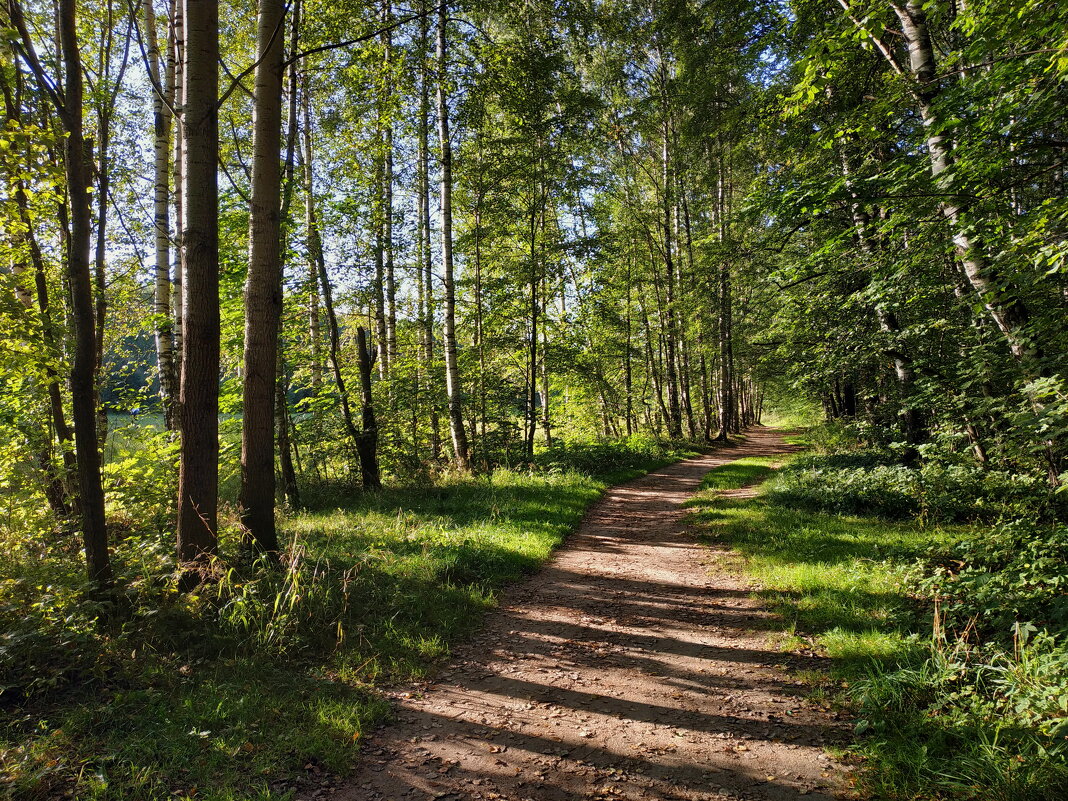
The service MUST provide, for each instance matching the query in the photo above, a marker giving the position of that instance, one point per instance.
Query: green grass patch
(837, 578)
(936, 720)
(739, 473)
(225, 694)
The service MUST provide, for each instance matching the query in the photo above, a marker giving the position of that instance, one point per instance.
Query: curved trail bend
(625, 669)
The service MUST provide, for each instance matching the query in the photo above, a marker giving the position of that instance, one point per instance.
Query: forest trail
(627, 668)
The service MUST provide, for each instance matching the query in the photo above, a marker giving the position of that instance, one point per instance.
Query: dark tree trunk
(83, 367)
(263, 287)
(367, 441)
(285, 455)
(198, 476)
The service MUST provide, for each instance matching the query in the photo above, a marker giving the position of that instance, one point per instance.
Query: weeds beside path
(621, 670)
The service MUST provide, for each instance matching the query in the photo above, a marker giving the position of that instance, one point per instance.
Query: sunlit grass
(840, 585)
(836, 578)
(184, 704)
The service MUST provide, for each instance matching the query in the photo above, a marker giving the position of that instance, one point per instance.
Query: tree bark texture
(263, 286)
(198, 476)
(162, 101)
(453, 387)
(83, 366)
(367, 441)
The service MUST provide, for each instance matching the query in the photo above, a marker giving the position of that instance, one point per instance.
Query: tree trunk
(532, 345)
(389, 353)
(83, 367)
(105, 111)
(198, 476)
(177, 57)
(652, 370)
(315, 250)
(99, 264)
(674, 421)
(999, 297)
(726, 361)
(546, 421)
(314, 247)
(263, 287)
(452, 368)
(367, 441)
(162, 101)
(285, 457)
(628, 377)
(706, 402)
(686, 280)
(283, 421)
(425, 235)
(480, 341)
(378, 219)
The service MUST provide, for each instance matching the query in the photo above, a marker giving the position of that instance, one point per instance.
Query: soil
(632, 666)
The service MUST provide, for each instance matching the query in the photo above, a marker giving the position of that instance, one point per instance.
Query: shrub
(604, 458)
(992, 578)
(885, 491)
(867, 482)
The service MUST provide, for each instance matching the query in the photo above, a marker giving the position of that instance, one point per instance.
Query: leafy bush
(992, 579)
(968, 721)
(867, 482)
(606, 457)
(885, 491)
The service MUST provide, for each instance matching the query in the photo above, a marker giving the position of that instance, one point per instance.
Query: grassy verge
(739, 473)
(935, 720)
(230, 694)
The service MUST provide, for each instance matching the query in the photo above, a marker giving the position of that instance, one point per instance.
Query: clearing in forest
(625, 669)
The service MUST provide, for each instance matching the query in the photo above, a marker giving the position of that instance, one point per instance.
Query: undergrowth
(949, 641)
(231, 691)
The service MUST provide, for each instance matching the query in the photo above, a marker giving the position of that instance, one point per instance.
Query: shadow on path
(622, 670)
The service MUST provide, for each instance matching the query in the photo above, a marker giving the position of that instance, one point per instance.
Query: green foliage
(954, 721)
(994, 579)
(612, 460)
(975, 708)
(141, 475)
(863, 483)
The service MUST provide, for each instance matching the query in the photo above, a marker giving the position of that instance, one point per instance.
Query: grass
(739, 473)
(841, 585)
(838, 579)
(230, 694)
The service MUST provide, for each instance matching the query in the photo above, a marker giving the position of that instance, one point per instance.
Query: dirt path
(623, 670)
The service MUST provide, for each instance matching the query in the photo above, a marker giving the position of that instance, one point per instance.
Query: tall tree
(162, 104)
(198, 472)
(263, 287)
(68, 102)
(453, 387)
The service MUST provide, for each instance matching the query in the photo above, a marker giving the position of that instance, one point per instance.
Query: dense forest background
(254, 258)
